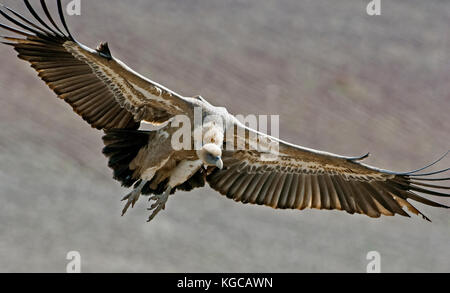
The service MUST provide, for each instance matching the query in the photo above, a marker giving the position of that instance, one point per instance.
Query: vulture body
(113, 98)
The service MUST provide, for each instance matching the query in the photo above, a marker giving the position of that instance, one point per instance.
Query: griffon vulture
(113, 98)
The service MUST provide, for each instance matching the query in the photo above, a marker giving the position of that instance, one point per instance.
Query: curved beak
(219, 164)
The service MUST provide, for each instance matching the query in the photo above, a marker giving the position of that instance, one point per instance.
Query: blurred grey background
(341, 81)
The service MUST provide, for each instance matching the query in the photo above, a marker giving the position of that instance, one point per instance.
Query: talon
(133, 197)
(127, 205)
(152, 216)
(126, 196)
(160, 203)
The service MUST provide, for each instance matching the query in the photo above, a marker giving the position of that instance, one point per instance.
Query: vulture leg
(133, 196)
(160, 203)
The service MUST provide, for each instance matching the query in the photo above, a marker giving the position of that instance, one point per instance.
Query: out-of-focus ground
(341, 81)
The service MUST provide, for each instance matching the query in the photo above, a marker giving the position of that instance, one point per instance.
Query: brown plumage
(295, 188)
(112, 97)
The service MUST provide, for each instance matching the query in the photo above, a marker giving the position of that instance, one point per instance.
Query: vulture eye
(212, 158)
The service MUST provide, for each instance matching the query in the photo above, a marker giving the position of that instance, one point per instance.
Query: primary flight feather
(112, 97)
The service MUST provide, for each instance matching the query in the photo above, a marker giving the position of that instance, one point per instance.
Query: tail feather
(121, 147)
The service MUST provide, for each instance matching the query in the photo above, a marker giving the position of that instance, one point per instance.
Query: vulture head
(211, 155)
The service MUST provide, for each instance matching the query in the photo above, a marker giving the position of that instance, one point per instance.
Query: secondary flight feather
(113, 98)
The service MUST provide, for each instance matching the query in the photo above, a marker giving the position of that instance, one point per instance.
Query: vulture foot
(160, 203)
(133, 197)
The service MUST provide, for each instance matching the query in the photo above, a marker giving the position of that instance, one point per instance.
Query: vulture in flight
(112, 97)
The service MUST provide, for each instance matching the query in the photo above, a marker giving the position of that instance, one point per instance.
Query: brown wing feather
(295, 190)
(303, 178)
(101, 89)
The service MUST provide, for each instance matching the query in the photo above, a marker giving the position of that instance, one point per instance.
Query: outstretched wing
(100, 88)
(299, 178)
